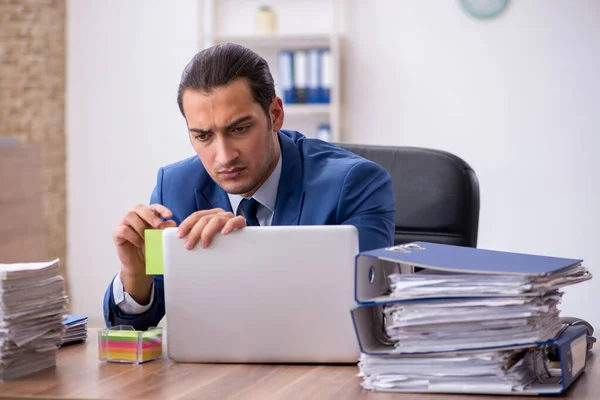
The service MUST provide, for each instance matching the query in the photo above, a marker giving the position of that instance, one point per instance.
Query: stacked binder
(32, 304)
(440, 318)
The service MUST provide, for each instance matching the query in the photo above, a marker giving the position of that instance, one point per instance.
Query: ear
(276, 111)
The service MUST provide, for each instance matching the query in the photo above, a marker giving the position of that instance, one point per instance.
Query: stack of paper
(442, 284)
(468, 372)
(32, 304)
(76, 329)
(450, 325)
(447, 318)
(460, 311)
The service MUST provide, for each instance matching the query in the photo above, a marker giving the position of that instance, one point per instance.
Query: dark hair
(217, 66)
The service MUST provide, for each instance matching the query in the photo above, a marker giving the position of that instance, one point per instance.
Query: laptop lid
(278, 294)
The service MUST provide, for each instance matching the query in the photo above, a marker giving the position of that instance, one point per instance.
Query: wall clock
(484, 8)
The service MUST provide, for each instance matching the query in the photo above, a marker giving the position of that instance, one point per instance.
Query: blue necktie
(249, 207)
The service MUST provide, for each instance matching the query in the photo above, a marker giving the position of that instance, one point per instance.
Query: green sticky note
(122, 336)
(154, 251)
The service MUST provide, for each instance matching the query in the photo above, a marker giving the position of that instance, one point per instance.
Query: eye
(202, 136)
(240, 129)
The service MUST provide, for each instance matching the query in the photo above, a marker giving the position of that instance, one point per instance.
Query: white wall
(124, 63)
(515, 97)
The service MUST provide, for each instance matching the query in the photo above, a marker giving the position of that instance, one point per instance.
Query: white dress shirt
(266, 195)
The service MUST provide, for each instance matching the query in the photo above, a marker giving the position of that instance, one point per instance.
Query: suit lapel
(212, 196)
(290, 193)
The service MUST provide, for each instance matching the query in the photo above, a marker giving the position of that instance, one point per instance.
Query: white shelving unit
(300, 25)
(307, 109)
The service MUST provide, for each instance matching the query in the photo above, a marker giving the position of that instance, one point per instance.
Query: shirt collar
(266, 195)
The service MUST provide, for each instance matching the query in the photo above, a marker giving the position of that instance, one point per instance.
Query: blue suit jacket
(320, 184)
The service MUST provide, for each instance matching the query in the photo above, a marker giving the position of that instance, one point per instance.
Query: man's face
(230, 133)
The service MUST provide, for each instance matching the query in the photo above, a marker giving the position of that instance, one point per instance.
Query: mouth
(231, 173)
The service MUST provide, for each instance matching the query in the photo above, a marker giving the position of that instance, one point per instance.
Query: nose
(226, 153)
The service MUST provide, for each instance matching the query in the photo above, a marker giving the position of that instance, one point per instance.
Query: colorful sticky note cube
(124, 344)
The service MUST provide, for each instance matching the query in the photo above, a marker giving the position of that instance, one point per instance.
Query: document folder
(372, 268)
(406, 290)
(557, 364)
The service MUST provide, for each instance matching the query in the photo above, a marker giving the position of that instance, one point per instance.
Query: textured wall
(32, 99)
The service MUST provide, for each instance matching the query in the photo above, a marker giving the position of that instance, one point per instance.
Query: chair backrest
(437, 193)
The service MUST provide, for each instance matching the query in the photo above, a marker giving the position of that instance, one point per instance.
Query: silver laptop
(278, 294)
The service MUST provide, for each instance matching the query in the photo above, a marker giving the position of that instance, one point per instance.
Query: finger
(148, 215)
(124, 234)
(233, 224)
(186, 226)
(196, 231)
(133, 220)
(161, 210)
(168, 224)
(210, 230)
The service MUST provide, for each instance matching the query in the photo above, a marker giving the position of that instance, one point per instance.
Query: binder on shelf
(305, 76)
(300, 67)
(313, 94)
(286, 76)
(324, 132)
(326, 76)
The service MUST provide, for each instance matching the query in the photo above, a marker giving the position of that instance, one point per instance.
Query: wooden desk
(79, 374)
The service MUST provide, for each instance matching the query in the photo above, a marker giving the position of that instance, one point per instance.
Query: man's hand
(203, 225)
(129, 240)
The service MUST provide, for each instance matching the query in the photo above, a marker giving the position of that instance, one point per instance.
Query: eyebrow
(227, 127)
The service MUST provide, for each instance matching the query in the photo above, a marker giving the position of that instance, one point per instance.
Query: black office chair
(437, 193)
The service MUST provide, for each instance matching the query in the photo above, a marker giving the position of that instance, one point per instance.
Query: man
(247, 172)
